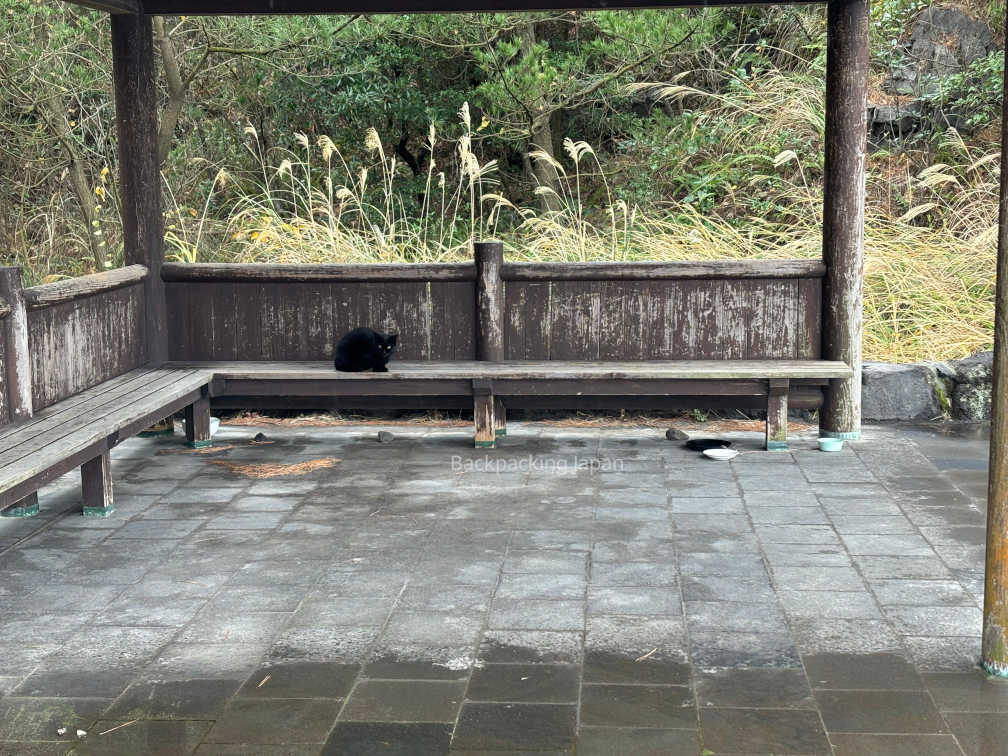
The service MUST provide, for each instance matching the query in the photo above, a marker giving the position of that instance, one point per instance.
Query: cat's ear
(392, 339)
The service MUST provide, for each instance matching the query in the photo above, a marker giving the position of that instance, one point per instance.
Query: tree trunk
(176, 89)
(544, 172)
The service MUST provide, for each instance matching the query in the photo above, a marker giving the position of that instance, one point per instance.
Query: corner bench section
(82, 430)
(492, 386)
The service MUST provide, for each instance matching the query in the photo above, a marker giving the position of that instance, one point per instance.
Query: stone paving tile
(878, 671)
(662, 706)
(849, 636)
(846, 744)
(183, 661)
(38, 719)
(404, 701)
(525, 683)
(647, 601)
(531, 646)
(708, 616)
(301, 680)
(879, 711)
(515, 726)
(737, 650)
(627, 741)
(762, 731)
(184, 699)
(536, 614)
(540, 586)
(767, 688)
(275, 721)
(968, 692)
(920, 592)
(389, 739)
(833, 604)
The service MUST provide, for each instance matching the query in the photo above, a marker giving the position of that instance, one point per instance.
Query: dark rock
(260, 437)
(674, 434)
(946, 40)
(971, 397)
(902, 80)
(384, 437)
(899, 392)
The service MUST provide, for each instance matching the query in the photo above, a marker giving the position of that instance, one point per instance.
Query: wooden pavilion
(152, 316)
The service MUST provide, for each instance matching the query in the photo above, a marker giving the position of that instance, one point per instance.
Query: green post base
(200, 444)
(500, 432)
(995, 669)
(852, 436)
(29, 510)
(776, 445)
(484, 444)
(97, 511)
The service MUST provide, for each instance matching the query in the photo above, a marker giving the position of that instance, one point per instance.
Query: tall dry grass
(929, 238)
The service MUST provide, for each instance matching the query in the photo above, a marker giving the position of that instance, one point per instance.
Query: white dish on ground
(720, 454)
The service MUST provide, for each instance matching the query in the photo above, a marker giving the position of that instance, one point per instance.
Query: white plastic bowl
(720, 454)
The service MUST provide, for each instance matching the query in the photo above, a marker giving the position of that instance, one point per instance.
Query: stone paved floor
(786, 603)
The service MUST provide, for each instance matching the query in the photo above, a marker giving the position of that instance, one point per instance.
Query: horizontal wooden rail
(306, 7)
(48, 295)
(688, 270)
(5, 309)
(685, 270)
(236, 273)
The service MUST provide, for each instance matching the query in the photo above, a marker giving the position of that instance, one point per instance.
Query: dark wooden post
(96, 486)
(17, 366)
(843, 208)
(197, 423)
(776, 416)
(994, 650)
(134, 76)
(484, 409)
(489, 258)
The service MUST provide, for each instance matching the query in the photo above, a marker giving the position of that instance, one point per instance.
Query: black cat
(365, 349)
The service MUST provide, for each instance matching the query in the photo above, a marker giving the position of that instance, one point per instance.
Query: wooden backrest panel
(77, 343)
(734, 310)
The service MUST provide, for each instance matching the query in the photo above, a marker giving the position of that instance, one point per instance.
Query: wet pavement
(576, 590)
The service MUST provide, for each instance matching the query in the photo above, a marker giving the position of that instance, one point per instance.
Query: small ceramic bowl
(830, 444)
(721, 454)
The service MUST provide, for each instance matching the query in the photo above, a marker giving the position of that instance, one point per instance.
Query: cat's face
(389, 344)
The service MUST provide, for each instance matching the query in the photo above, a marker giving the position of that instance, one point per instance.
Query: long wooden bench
(80, 432)
(494, 386)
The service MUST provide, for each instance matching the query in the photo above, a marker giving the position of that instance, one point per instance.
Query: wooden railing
(734, 309)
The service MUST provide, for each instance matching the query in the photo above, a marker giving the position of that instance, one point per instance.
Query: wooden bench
(80, 432)
(494, 386)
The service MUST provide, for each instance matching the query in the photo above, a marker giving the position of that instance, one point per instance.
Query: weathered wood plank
(809, 319)
(111, 6)
(777, 410)
(27, 460)
(484, 406)
(430, 370)
(197, 423)
(241, 273)
(80, 343)
(527, 320)
(258, 7)
(5, 309)
(453, 320)
(71, 289)
(98, 404)
(657, 271)
(575, 310)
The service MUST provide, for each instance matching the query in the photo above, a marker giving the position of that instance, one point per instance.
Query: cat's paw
(381, 369)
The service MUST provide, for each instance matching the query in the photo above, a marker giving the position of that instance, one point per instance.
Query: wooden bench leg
(500, 418)
(96, 486)
(197, 423)
(27, 507)
(776, 416)
(483, 414)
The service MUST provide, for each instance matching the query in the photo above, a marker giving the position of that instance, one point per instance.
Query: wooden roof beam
(116, 7)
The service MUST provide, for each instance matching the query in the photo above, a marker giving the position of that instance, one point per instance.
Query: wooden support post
(197, 423)
(489, 301)
(483, 414)
(500, 417)
(96, 486)
(843, 208)
(17, 369)
(776, 414)
(134, 78)
(994, 646)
